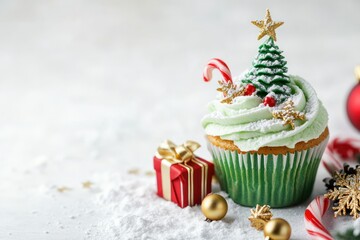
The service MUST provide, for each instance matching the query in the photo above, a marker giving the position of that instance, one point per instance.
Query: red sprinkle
(269, 101)
(249, 89)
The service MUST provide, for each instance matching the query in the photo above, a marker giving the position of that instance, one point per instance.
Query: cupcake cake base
(277, 176)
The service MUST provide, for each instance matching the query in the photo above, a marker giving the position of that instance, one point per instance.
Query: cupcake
(266, 130)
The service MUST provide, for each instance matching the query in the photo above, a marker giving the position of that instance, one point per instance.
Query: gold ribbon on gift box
(176, 154)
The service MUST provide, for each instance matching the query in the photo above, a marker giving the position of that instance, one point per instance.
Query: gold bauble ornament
(277, 229)
(214, 207)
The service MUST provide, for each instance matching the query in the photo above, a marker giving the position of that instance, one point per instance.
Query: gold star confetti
(288, 114)
(63, 189)
(134, 171)
(259, 216)
(267, 26)
(230, 91)
(149, 173)
(347, 192)
(87, 184)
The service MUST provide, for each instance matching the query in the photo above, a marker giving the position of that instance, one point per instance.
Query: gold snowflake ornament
(230, 91)
(288, 114)
(347, 192)
(260, 216)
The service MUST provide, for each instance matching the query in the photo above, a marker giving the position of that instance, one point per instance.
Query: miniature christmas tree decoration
(269, 73)
(288, 114)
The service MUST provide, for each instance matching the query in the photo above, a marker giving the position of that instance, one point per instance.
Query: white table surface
(90, 88)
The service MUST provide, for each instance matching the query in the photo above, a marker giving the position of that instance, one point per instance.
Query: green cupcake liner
(276, 180)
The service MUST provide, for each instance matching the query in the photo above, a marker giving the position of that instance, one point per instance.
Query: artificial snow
(134, 211)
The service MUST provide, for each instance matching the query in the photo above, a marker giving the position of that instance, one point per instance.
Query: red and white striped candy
(338, 151)
(220, 65)
(313, 219)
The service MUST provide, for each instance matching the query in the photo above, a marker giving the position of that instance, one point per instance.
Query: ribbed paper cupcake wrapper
(276, 180)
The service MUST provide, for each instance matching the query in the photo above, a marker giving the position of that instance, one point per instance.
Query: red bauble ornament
(353, 103)
(249, 89)
(269, 101)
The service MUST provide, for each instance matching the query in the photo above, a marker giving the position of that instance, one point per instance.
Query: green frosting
(250, 124)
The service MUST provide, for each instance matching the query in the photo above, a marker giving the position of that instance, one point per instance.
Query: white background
(92, 87)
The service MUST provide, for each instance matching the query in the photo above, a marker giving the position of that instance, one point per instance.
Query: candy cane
(218, 64)
(339, 151)
(313, 219)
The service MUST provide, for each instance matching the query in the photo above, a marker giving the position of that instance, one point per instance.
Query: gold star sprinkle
(288, 114)
(87, 184)
(149, 173)
(63, 189)
(134, 171)
(267, 26)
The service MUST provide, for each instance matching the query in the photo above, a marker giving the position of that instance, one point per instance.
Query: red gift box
(184, 183)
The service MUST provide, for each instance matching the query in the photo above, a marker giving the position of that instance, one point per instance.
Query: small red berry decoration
(269, 101)
(353, 102)
(249, 90)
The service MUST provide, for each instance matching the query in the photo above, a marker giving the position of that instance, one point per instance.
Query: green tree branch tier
(269, 73)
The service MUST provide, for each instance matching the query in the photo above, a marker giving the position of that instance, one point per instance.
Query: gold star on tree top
(267, 26)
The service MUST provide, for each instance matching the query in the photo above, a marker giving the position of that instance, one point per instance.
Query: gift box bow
(177, 153)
